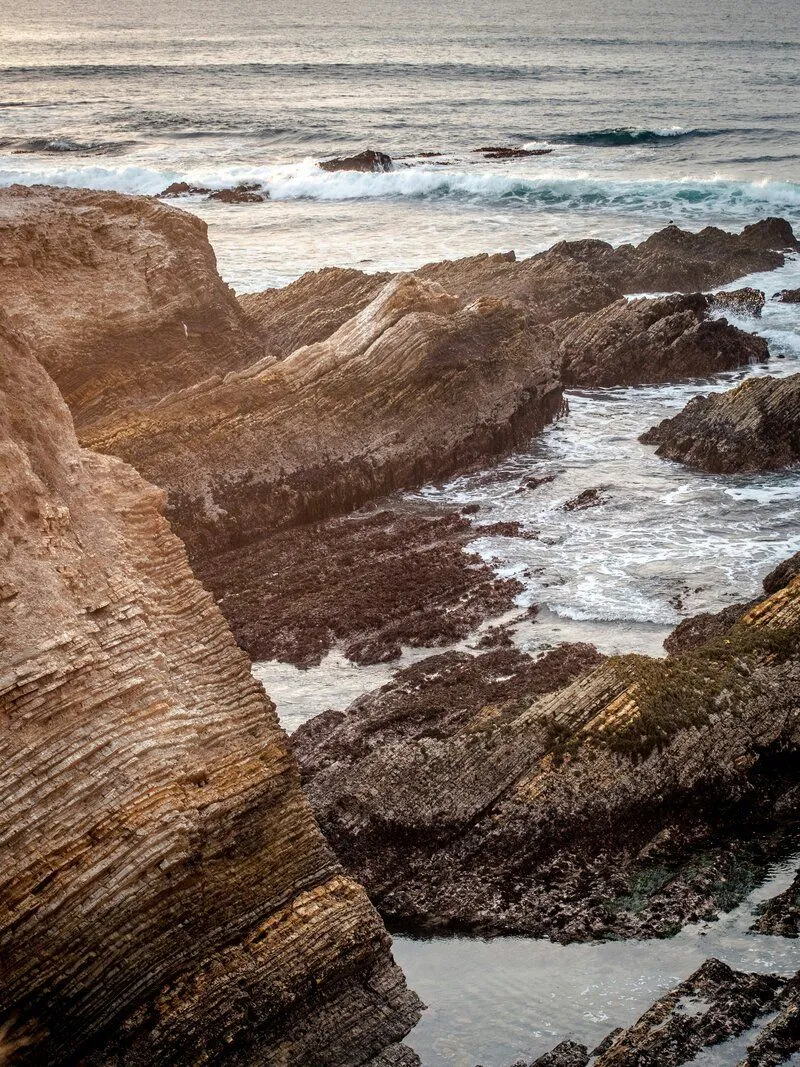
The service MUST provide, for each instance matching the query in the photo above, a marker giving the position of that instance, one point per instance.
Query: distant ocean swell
(305, 181)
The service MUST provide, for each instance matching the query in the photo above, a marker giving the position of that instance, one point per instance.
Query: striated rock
(366, 161)
(745, 301)
(781, 914)
(782, 575)
(712, 1005)
(571, 278)
(119, 297)
(246, 193)
(312, 308)
(367, 584)
(641, 796)
(411, 389)
(165, 894)
(754, 427)
(788, 296)
(652, 340)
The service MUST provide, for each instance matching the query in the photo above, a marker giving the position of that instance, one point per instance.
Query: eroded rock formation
(165, 894)
(119, 297)
(754, 427)
(643, 795)
(652, 340)
(407, 391)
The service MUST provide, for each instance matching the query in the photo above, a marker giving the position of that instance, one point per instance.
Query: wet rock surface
(367, 584)
(179, 903)
(246, 193)
(652, 340)
(641, 796)
(510, 152)
(745, 301)
(367, 161)
(712, 1005)
(788, 296)
(754, 427)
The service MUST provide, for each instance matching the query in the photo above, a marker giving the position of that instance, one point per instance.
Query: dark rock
(365, 162)
(506, 152)
(470, 509)
(632, 342)
(781, 914)
(642, 795)
(754, 427)
(607, 1042)
(589, 498)
(779, 1040)
(182, 189)
(246, 193)
(534, 483)
(702, 628)
(788, 296)
(739, 302)
(712, 1005)
(496, 637)
(567, 1054)
(784, 573)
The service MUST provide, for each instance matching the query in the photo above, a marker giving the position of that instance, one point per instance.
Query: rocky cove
(304, 443)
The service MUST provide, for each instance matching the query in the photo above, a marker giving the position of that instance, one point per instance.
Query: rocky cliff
(165, 894)
(754, 427)
(409, 390)
(644, 794)
(119, 295)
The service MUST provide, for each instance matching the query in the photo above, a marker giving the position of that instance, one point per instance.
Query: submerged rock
(589, 498)
(165, 894)
(246, 193)
(739, 302)
(641, 796)
(511, 152)
(366, 161)
(633, 342)
(754, 427)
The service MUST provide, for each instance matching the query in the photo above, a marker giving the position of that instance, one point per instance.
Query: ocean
(655, 111)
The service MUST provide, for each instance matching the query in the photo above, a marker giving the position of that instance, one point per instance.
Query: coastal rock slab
(409, 390)
(165, 894)
(754, 427)
(652, 340)
(627, 803)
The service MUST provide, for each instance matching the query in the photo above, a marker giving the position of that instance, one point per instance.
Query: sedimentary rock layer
(652, 340)
(409, 390)
(119, 296)
(754, 427)
(571, 278)
(165, 894)
(644, 794)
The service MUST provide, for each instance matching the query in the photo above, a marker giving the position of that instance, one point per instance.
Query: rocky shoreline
(181, 904)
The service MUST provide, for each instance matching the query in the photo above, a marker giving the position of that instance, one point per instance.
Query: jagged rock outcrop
(632, 342)
(643, 795)
(370, 160)
(312, 308)
(165, 894)
(571, 278)
(714, 1004)
(409, 390)
(119, 296)
(754, 427)
(788, 296)
(747, 301)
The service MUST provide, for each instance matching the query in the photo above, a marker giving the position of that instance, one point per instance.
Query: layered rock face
(642, 795)
(119, 296)
(648, 341)
(409, 390)
(754, 427)
(165, 894)
(571, 278)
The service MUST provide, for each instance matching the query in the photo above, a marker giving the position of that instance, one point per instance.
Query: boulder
(365, 162)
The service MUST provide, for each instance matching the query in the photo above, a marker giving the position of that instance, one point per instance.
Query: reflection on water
(494, 1001)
